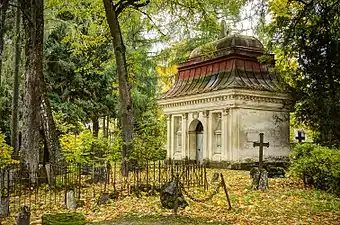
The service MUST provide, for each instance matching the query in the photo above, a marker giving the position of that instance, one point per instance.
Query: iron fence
(47, 186)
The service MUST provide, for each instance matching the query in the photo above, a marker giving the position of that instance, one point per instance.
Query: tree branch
(149, 17)
(23, 12)
(123, 4)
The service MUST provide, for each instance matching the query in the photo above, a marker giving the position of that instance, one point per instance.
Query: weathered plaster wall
(274, 125)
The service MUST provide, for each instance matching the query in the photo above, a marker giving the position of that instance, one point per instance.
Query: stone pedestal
(260, 179)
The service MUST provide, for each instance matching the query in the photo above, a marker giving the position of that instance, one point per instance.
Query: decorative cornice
(241, 97)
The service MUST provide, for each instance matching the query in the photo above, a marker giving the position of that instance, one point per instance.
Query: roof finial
(224, 30)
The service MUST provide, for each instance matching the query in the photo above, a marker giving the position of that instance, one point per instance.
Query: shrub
(5, 153)
(317, 166)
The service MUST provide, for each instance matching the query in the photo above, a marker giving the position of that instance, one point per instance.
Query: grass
(286, 201)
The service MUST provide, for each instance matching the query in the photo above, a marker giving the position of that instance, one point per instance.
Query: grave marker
(261, 144)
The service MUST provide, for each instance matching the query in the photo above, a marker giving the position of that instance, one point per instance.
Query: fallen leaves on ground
(286, 201)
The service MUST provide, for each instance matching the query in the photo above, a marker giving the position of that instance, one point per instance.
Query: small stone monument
(4, 205)
(24, 216)
(260, 175)
(70, 200)
(168, 196)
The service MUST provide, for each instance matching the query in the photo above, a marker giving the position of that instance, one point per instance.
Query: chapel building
(221, 101)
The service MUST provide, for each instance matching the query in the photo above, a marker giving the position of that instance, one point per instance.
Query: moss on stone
(64, 219)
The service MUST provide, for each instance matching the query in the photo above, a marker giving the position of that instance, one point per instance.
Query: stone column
(234, 130)
(226, 139)
(172, 137)
(206, 135)
(184, 135)
(210, 136)
(168, 144)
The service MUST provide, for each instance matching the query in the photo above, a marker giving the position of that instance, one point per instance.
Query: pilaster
(185, 135)
(226, 136)
(172, 137)
(169, 145)
(207, 135)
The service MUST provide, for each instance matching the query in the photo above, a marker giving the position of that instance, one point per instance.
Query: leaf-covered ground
(285, 202)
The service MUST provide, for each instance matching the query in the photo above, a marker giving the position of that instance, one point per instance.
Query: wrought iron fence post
(225, 190)
(176, 194)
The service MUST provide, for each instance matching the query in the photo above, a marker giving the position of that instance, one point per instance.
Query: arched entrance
(196, 141)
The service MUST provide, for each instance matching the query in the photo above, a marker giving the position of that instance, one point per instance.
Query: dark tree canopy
(308, 32)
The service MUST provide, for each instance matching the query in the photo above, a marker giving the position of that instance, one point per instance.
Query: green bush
(317, 166)
(64, 219)
(5, 153)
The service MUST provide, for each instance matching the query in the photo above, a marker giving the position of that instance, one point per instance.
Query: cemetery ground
(286, 201)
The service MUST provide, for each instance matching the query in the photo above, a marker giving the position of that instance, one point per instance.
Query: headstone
(4, 206)
(70, 200)
(261, 144)
(168, 196)
(24, 216)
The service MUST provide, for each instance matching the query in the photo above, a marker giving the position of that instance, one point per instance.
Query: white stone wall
(274, 125)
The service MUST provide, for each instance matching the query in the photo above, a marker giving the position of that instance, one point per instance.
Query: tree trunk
(124, 87)
(49, 128)
(104, 126)
(3, 12)
(107, 127)
(95, 122)
(34, 27)
(16, 86)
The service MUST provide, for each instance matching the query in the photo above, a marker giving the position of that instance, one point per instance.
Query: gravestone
(4, 206)
(70, 200)
(168, 196)
(260, 176)
(260, 179)
(24, 216)
(301, 136)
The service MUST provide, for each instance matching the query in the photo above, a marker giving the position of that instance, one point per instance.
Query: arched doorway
(196, 151)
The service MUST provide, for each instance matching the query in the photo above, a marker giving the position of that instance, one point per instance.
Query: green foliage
(149, 138)
(77, 148)
(317, 166)
(306, 37)
(5, 153)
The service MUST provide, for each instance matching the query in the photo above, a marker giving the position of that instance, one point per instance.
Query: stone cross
(300, 137)
(261, 144)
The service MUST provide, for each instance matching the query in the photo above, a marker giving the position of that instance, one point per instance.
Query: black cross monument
(261, 144)
(299, 136)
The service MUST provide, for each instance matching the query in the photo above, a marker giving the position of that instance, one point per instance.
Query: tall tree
(308, 33)
(3, 13)
(33, 21)
(112, 12)
(16, 85)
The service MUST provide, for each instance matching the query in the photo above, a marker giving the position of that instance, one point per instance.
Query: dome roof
(232, 41)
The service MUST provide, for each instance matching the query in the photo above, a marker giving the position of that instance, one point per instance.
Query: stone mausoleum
(222, 100)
